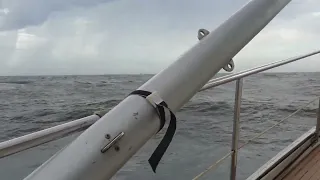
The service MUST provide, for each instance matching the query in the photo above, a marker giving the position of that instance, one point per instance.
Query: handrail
(218, 162)
(229, 78)
(25, 142)
(239, 77)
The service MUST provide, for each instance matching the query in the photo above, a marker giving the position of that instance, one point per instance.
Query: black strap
(167, 138)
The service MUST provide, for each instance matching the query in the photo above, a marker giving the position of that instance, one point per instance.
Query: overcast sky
(53, 37)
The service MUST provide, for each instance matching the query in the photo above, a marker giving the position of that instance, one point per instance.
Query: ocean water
(204, 131)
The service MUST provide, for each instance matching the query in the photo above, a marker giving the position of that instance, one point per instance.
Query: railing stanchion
(318, 122)
(235, 134)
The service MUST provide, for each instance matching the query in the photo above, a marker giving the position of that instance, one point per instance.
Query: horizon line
(134, 74)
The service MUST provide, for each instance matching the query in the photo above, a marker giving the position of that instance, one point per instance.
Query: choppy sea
(29, 104)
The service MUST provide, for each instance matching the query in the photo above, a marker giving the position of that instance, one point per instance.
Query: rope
(263, 132)
(215, 165)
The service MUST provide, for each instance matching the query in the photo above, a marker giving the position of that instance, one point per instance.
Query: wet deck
(307, 169)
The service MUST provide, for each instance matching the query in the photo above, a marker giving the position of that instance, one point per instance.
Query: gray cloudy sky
(139, 36)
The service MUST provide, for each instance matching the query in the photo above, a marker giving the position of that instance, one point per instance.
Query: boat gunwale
(284, 156)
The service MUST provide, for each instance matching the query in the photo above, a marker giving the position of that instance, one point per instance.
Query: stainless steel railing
(28, 141)
(236, 129)
(238, 77)
(34, 139)
(318, 122)
(235, 137)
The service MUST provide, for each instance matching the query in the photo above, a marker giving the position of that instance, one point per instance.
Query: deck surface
(307, 169)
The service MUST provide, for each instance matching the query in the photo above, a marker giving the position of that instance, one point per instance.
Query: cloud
(287, 37)
(18, 14)
(142, 36)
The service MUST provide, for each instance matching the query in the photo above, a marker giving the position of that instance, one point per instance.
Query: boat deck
(307, 169)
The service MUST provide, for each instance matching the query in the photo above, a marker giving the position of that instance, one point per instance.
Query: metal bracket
(112, 142)
(203, 33)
